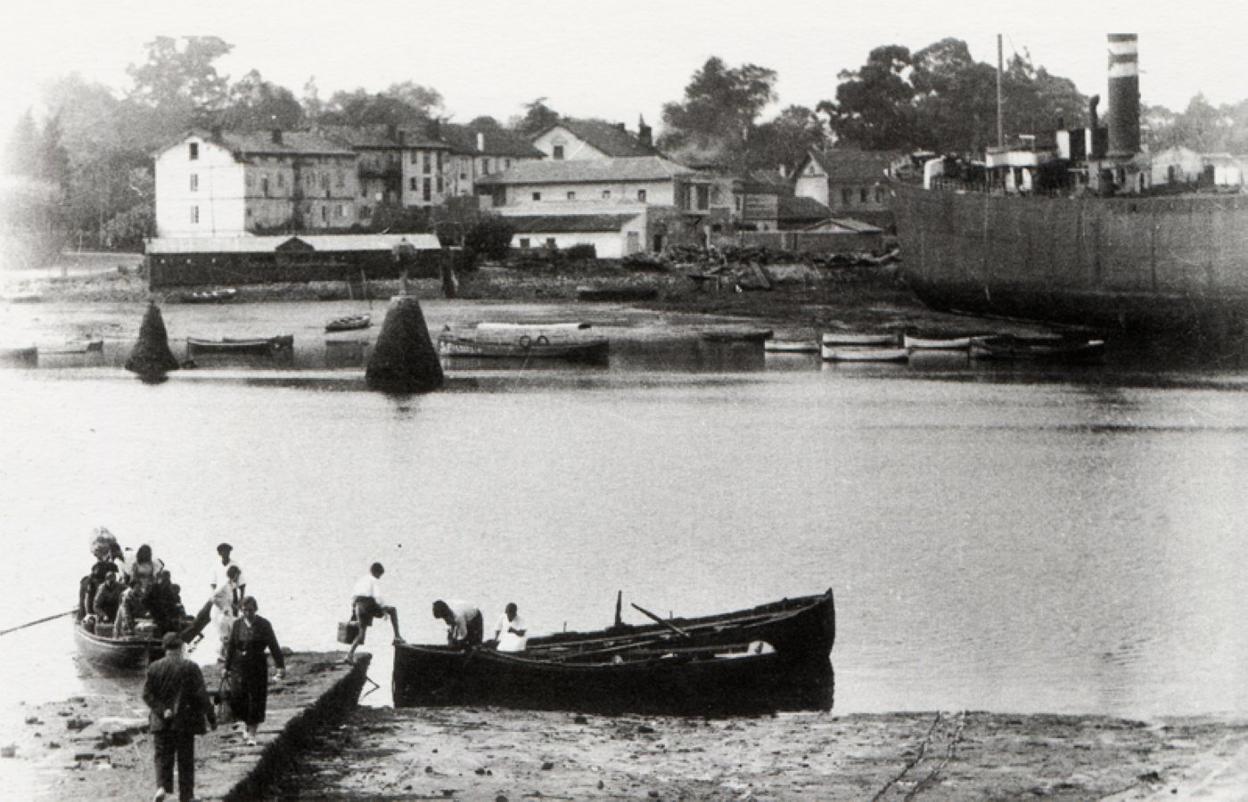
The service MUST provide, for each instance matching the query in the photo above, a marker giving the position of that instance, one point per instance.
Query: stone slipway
(98, 747)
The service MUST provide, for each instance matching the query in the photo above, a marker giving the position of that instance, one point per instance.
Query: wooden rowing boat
(791, 347)
(857, 339)
(774, 656)
(122, 654)
(1038, 349)
(73, 347)
(524, 346)
(936, 343)
(209, 296)
(737, 335)
(833, 353)
(259, 346)
(349, 323)
(531, 328)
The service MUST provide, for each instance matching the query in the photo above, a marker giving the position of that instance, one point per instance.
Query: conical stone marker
(404, 359)
(151, 355)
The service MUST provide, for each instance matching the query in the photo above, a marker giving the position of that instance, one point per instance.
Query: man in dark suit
(180, 710)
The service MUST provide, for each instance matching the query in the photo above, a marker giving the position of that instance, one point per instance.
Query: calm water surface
(996, 540)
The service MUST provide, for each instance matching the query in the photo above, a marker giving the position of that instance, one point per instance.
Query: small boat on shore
(349, 323)
(737, 335)
(936, 343)
(259, 346)
(622, 294)
(791, 347)
(532, 328)
(841, 353)
(857, 339)
(74, 347)
(120, 654)
(209, 296)
(524, 346)
(771, 657)
(1039, 349)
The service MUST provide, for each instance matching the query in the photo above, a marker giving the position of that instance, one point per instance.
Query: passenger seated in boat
(88, 586)
(367, 603)
(509, 632)
(108, 596)
(464, 625)
(164, 603)
(144, 569)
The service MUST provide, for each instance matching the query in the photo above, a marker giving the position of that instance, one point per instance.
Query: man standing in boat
(464, 625)
(180, 710)
(220, 577)
(368, 603)
(510, 631)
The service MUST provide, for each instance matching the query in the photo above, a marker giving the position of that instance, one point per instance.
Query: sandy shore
(492, 754)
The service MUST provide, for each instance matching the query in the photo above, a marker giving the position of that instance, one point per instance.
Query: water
(997, 540)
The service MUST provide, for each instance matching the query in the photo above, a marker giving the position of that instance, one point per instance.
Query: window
(340, 179)
(571, 196)
(550, 242)
(264, 185)
(281, 180)
(862, 195)
(506, 164)
(439, 161)
(193, 151)
(194, 182)
(325, 182)
(439, 184)
(338, 212)
(325, 214)
(879, 194)
(485, 167)
(411, 184)
(537, 196)
(847, 196)
(524, 242)
(414, 157)
(194, 214)
(426, 190)
(557, 154)
(641, 195)
(606, 194)
(704, 194)
(426, 164)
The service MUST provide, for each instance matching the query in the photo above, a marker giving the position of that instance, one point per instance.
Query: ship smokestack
(1124, 94)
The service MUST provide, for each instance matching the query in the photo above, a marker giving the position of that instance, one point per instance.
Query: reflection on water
(1004, 538)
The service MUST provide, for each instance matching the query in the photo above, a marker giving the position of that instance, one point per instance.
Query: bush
(582, 250)
(489, 237)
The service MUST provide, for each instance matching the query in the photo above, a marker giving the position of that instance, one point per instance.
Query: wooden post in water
(619, 599)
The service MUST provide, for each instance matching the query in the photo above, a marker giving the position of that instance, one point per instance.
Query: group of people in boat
(464, 622)
(127, 591)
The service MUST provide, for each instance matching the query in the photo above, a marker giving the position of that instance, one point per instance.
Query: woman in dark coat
(245, 657)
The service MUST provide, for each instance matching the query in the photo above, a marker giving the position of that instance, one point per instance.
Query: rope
(927, 739)
(930, 779)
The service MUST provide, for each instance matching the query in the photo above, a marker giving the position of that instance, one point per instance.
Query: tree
(785, 140)
(427, 101)
(485, 123)
(255, 103)
(720, 107)
(360, 107)
(23, 147)
(873, 107)
(537, 118)
(182, 80)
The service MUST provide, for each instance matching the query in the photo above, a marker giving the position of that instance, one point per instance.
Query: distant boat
(23, 298)
(838, 353)
(349, 323)
(209, 296)
(261, 346)
(791, 346)
(587, 293)
(25, 355)
(737, 335)
(524, 346)
(857, 339)
(1039, 349)
(74, 347)
(775, 656)
(539, 328)
(936, 343)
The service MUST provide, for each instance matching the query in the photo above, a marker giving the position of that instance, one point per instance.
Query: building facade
(849, 182)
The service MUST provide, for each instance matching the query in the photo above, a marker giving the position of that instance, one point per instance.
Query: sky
(611, 60)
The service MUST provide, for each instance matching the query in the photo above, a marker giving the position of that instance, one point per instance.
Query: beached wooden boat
(531, 328)
(1039, 349)
(621, 294)
(22, 355)
(842, 353)
(73, 347)
(736, 335)
(936, 343)
(259, 346)
(524, 346)
(209, 296)
(791, 346)
(857, 339)
(349, 323)
(127, 653)
(771, 657)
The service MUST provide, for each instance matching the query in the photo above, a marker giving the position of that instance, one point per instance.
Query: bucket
(348, 631)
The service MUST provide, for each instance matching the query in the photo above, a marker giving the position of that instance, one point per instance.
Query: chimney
(1124, 94)
(643, 132)
(481, 141)
(276, 136)
(435, 128)
(621, 126)
(392, 132)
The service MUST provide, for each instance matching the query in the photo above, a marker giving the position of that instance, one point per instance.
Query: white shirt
(462, 613)
(219, 577)
(369, 587)
(509, 641)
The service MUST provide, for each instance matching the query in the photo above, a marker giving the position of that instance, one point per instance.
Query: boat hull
(1170, 263)
(837, 353)
(264, 346)
(709, 669)
(596, 349)
(350, 323)
(116, 655)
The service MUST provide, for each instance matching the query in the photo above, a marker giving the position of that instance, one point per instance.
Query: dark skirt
(252, 691)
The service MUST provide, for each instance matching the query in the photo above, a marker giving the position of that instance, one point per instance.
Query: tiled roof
(305, 143)
(854, 165)
(583, 171)
(463, 139)
(607, 137)
(360, 136)
(799, 208)
(567, 223)
(268, 244)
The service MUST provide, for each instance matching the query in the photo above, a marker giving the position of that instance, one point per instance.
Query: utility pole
(1000, 119)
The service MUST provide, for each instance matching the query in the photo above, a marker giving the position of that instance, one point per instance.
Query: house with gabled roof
(479, 151)
(849, 182)
(575, 140)
(217, 183)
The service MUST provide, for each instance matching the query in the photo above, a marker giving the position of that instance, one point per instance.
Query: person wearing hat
(179, 710)
(221, 578)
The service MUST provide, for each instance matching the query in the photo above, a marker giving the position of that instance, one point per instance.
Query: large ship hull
(1165, 263)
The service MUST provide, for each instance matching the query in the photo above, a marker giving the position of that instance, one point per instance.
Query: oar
(658, 620)
(38, 621)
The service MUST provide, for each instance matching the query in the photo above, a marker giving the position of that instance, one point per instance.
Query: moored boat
(260, 346)
(860, 339)
(209, 296)
(915, 343)
(774, 656)
(841, 353)
(791, 346)
(736, 335)
(524, 346)
(73, 347)
(349, 323)
(1047, 349)
(123, 653)
(532, 328)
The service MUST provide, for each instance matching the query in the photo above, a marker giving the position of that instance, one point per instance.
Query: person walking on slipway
(180, 709)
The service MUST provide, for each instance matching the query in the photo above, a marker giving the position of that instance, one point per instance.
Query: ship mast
(1000, 120)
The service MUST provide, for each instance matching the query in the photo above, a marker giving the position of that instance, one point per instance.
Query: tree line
(93, 151)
